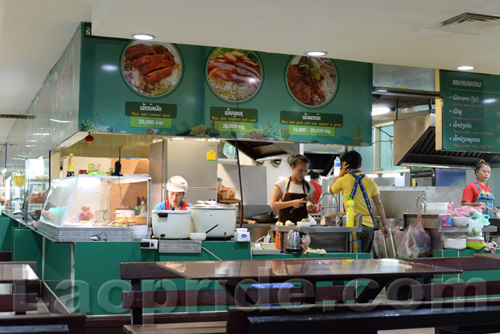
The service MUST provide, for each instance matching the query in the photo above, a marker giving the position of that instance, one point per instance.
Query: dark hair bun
(293, 161)
(480, 164)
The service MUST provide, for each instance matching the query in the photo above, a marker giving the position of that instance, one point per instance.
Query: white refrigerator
(194, 160)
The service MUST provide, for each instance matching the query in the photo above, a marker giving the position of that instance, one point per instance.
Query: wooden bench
(427, 292)
(50, 323)
(136, 299)
(366, 318)
(5, 256)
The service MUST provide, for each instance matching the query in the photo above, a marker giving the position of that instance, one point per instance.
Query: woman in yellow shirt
(353, 183)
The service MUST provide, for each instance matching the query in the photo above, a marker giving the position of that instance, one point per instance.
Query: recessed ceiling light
(316, 53)
(143, 37)
(465, 68)
(109, 68)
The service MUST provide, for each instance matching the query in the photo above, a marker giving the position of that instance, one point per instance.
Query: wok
(269, 217)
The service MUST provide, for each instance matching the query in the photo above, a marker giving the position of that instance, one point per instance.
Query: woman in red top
(318, 189)
(478, 192)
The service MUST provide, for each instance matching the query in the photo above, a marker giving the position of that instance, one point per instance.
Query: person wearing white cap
(176, 189)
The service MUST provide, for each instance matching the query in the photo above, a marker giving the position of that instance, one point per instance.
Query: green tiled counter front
(478, 275)
(27, 245)
(86, 275)
(7, 226)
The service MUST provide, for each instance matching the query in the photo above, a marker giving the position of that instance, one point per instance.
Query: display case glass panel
(85, 208)
(17, 186)
(37, 187)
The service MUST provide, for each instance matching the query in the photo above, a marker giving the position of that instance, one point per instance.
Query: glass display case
(16, 184)
(94, 208)
(37, 187)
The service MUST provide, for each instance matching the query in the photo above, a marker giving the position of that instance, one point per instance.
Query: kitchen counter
(335, 239)
(86, 275)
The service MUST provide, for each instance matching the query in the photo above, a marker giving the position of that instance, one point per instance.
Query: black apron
(293, 214)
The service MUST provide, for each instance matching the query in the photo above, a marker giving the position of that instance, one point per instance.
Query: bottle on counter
(350, 212)
(71, 166)
(142, 208)
(219, 185)
(336, 166)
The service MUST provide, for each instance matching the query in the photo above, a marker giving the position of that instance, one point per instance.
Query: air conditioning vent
(469, 17)
(470, 23)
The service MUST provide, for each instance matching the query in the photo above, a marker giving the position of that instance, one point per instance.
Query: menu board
(471, 111)
(161, 88)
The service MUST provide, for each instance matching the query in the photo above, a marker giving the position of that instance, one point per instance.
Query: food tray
(74, 234)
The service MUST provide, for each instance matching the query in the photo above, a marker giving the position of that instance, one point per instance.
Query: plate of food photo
(151, 69)
(234, 74)
(311, 81)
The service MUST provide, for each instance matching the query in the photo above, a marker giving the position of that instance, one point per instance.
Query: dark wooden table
(25, 287)
(480, 261)
(20, 275)
(379, 272)
(489, 256)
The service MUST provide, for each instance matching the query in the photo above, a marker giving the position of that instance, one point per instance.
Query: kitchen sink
(430, 221)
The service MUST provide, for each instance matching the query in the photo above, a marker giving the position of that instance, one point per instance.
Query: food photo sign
(174, 89)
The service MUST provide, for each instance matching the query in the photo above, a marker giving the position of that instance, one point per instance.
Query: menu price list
(311, 124)
(237, 120)
(150, 115)
(469, 120)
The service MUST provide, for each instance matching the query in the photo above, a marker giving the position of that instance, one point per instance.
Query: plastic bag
(415, 242)
(464, 211)
(475, 228)
(481, 218)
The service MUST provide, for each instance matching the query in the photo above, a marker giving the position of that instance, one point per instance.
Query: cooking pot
(170, 224)
(205, 216)
(124, 213)
(269, 218)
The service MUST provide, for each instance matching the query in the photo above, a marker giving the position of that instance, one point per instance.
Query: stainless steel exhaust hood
(262, 150)
(415, 145)
(322, 156)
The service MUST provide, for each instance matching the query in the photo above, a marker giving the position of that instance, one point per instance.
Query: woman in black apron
(292, 197)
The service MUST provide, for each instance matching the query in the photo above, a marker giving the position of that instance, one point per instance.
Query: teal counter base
(468, 276)
(7, 225)
(85, 276)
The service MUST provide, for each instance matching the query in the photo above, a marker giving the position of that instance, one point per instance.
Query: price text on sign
(233, 115)
(302, 130)
(311, 119)
(234, 126)
(150, 122)
(146, 109)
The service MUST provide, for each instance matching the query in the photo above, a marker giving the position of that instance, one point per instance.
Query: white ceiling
(34, 33)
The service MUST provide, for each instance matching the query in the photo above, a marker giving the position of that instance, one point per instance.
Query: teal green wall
(6, 229)
(97, 286)
(27, 246)
(97, 271)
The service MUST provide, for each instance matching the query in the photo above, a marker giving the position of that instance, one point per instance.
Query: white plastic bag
(475, 228)
(415, 242)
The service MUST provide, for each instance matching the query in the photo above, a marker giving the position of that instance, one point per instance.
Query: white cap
(177, 184)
